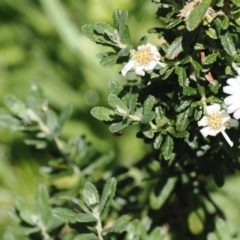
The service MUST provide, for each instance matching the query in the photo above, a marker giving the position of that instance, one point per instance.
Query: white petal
(150, 66)
(236, 68)
(225, 116)
(139, 71)
(231, 90)
(233, 107)
(236, 115)
(232, 99)
(127, 67)
(213, 132)
(205, 131)
(233, 82)
(212, 109)
(238, 79)
(234, 123)
(203, 121)
(227, 138)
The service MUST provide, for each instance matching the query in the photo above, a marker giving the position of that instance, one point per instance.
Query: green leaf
(157, 201)
(107, 196)
(16, 106)
(196, 221)
(120, 22)
(103, 114)
(88, 31)
(90, 195)
(124, 51)
(116, 127)
(86, 236)
(183, 121)
(211, 32)
(99, 163)
(173, 23)
(228, 44)
(132, 100)
(148, 132)
(222, 229)
(178, 134)
(161, 120)
(102, 27)
(52, 120)
(167, 148)
(42, 203)
(65, 114)
(156, 234)
(117, 103)
(189, 91)
(25, 212)
(147, 117)
(9, 236)
(212, 236)
(79, 203)
(197, 15)
(210, 59)
(183, 105)
(175, 48)
(114, 87)
(158, 141)
(182, 76)
(69, 216)
(12, 213)
(7, 121)
(39, 144)
(109, 61)
(225, 23)
(136, 230)
(149, 103)
(119, 225)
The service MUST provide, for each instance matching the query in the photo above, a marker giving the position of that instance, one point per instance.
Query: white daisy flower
(146, 58)
(216, 121)
(233, 101)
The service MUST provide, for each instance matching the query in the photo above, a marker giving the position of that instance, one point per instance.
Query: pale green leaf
(107, 196)
(86, 236)
(117, 103)
(147, 117)
(69, 216)
(16, 106)
(90, 195)
(119, 225)
(103, 114)
(88, 31)
(116, 127)
(197, 15)
(114, 87)
(149, 103)
(7, 121)
(109, 61)
(158, 141)
(157, 201)
(210, 59)
(228, 44)
(175, 48)
(42, 202)
(167, 147)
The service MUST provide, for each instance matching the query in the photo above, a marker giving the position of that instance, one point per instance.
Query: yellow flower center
(214, 121)
(143, 56)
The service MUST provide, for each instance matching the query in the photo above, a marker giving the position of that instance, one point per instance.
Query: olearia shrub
(183, 92)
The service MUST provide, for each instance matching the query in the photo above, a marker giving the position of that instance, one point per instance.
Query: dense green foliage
(166, 185)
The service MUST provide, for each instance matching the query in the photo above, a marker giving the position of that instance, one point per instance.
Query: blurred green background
(41, 40)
